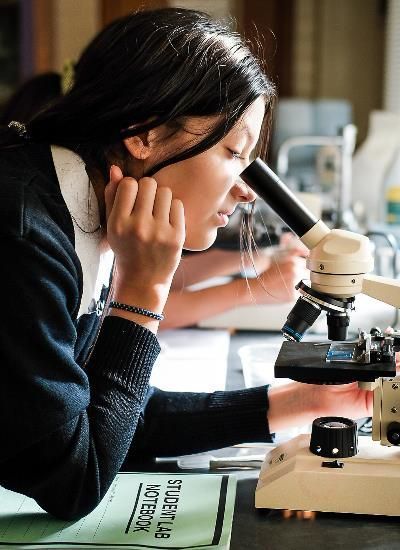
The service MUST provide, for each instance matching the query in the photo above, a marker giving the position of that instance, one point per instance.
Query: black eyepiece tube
(276, 194)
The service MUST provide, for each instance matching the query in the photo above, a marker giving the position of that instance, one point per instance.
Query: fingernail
(112, 169)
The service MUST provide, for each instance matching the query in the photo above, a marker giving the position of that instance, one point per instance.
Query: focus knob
(334, 437)
(393, 433)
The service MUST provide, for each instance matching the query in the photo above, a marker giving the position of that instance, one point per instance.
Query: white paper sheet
(192, 360)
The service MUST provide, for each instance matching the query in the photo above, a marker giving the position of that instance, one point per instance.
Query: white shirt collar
(81, 201)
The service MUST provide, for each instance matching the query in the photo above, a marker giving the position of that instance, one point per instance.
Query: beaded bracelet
(136, 309)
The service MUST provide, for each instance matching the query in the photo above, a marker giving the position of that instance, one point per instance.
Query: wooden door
(271, 23)
(112, 9)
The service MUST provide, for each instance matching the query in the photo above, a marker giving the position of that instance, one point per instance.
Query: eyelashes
(236, 155)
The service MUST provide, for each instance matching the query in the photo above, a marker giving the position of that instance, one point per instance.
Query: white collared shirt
(81, 201)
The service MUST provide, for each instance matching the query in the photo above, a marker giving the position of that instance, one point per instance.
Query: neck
(97, 180)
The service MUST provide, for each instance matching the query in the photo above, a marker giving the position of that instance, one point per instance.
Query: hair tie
(19, 128)
(67, 76)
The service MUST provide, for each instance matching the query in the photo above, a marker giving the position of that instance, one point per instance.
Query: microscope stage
(307, 362)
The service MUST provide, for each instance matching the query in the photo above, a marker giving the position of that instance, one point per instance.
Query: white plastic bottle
(392, 192)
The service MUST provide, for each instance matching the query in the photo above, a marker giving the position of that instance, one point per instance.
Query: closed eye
(236, 155)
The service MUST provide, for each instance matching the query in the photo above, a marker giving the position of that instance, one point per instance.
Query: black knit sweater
(67, 423)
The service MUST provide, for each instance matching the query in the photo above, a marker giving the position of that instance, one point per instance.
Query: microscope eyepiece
(278, 196)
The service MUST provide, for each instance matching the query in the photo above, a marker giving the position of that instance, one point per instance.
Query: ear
(138, 146)
(143, 145)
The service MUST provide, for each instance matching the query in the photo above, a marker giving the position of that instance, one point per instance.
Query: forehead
(251, 121)
(248, 126)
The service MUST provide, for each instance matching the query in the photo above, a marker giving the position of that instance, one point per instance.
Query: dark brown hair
(147, 69)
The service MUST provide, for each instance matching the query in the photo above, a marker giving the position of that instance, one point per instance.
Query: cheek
(201, 183)
(200, 200)
(197, 216)
(201, 221)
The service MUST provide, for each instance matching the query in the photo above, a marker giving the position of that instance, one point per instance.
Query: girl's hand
(342, 400)
(146, 231)
(297, 404)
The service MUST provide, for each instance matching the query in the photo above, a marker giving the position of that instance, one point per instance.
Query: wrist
(150, 301)
(152, 298)
(242, 291)
(144, 321)
(291, 405)
(137, 310)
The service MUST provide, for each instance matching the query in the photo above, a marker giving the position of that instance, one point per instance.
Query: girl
(187, 306)
(140, 158)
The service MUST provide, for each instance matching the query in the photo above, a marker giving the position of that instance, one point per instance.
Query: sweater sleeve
(174, 423)
(64, 430)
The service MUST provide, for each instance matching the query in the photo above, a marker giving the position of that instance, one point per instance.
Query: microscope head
(337, 265)
(337, 262)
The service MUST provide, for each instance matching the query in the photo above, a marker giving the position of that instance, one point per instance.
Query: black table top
(283, 530)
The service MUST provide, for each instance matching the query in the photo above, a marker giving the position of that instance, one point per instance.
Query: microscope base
(293, 478)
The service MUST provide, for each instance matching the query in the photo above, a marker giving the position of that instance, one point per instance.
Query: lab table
(290, 530)
(277, 530)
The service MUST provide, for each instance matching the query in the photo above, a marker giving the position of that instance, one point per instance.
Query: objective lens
(300, 319)
(337, 326)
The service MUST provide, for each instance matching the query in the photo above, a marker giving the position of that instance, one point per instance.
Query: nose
(243, 193)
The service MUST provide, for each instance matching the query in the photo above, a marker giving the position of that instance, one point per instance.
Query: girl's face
(208, 184)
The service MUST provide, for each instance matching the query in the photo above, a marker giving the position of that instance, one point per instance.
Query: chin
(197, 243)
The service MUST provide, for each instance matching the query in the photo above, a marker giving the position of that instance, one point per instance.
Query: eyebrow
(247, 132)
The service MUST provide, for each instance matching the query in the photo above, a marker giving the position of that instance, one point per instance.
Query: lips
(223, 219)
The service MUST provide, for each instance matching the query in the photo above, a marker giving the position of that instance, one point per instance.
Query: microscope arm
(386, 409)
(339, 264)
(382, 288)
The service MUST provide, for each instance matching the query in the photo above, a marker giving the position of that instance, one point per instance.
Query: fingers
(177, 217)
(293, 244)
(295, 251)
(301, 251)
(124, 199)
(290, 266)
(111, 188)
(162, 204)
(125, 196)
(146, 195)
(139, 198)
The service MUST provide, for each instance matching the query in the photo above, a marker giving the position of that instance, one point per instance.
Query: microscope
(331, 470)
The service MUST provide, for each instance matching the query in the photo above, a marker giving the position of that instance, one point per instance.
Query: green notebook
(139, 511)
